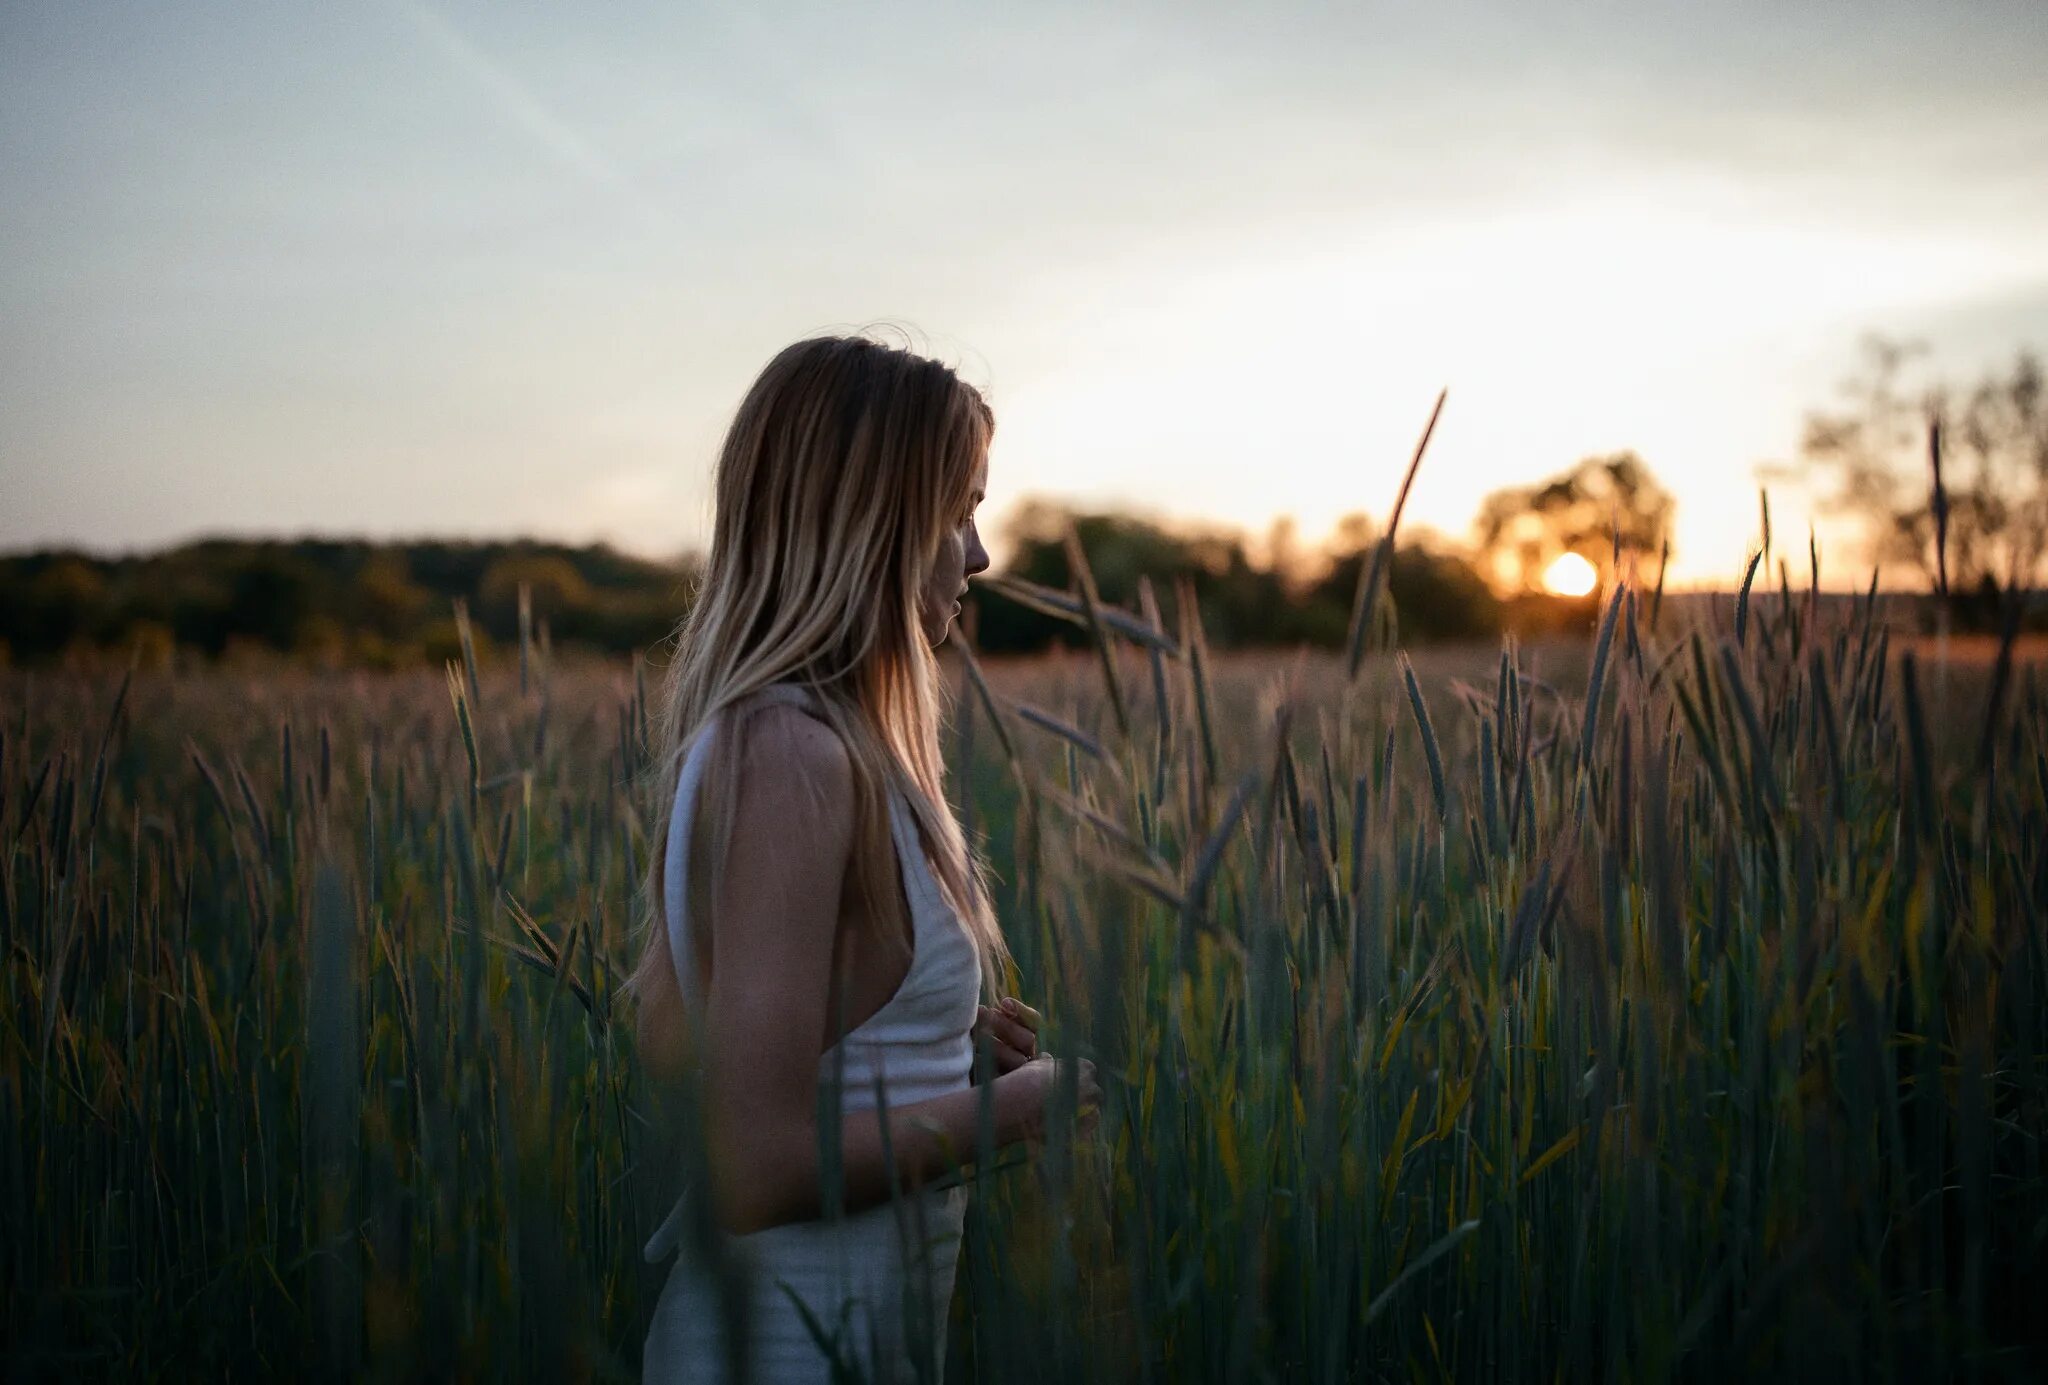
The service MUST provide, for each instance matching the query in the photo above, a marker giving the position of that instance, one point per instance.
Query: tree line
(375, 604)
(1947, 483)
(334, 600)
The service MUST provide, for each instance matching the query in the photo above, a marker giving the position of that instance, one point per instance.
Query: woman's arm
(777, 912)
(931, 1138)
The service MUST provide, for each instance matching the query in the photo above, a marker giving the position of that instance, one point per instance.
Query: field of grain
(1669, 1006)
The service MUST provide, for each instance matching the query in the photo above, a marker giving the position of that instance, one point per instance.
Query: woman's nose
(977, 556)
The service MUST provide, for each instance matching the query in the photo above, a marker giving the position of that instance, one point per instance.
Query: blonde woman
(820, 938)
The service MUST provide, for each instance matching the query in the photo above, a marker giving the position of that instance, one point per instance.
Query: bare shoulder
(791, 762)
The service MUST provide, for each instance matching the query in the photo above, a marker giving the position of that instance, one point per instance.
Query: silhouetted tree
(1522, 530)
(554, 588)
(1879, 451)
(1236, 598)
(1438, 594)
(334, 599)
(385, 600)
(66, 599)
(273, 595)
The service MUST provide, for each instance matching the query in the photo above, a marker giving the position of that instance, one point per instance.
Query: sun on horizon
(1569, 574)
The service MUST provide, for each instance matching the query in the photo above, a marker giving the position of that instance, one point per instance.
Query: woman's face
(961, 556)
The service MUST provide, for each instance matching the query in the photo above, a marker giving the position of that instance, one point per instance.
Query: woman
(819, 925)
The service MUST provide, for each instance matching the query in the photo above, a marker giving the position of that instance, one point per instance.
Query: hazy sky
(480, 268)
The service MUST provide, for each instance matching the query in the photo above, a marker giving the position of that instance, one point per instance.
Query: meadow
(1669, 1005)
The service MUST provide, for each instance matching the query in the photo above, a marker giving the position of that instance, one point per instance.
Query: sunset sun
(1570, 575)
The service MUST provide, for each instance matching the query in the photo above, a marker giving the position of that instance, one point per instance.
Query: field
(1673, 1005)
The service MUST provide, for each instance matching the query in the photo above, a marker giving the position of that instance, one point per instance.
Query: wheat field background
(1669, 1005)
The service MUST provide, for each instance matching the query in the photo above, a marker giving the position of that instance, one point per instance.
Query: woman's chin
(945, 625)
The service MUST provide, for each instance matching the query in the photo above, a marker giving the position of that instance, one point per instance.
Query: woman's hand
(1025, 1092)
(1012, 1030)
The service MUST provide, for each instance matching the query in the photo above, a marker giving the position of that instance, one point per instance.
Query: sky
(397, 269)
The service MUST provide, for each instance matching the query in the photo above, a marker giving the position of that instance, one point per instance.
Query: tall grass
(1677, 1011)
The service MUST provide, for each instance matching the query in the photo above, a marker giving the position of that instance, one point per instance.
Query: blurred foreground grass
(1452, 1024)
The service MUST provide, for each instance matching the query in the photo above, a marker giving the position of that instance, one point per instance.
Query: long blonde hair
(847, 463)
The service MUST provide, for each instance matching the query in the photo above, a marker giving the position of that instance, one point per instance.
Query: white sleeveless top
(880, 1279)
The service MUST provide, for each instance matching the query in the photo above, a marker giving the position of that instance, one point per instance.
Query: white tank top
(918, 1045)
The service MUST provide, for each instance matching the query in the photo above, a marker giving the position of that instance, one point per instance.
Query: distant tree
(1437, 594)
(384, 600)
(333, 599)
(554, 586)
(1879, 449)
(1236, 597)
(1522, 530)
(1291, 598)
(275, 592)
(65, 602)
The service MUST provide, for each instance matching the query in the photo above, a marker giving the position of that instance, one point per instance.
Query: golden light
(1570, 575)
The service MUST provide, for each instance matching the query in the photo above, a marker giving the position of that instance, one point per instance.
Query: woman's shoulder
(786, 740)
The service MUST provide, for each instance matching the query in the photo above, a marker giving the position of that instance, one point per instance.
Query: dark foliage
(336, 600)
(392, 604)
(1438, 594)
